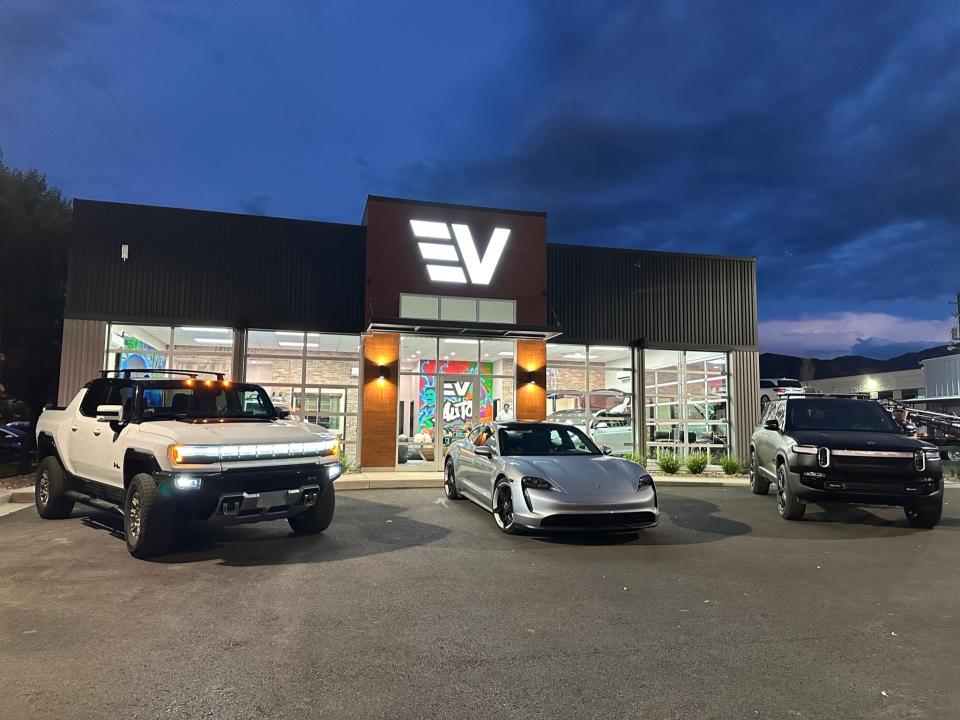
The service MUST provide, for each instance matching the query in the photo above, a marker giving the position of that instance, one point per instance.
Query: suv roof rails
(125, 373)
(815, 394)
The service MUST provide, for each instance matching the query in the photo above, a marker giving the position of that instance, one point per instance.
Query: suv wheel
(924, 516)
(758, 486)
(317, 518)
(148, 518)
(788, 505)
(50, 490)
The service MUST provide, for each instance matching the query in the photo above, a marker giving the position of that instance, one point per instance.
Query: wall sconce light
(384, 373)
(530, 378)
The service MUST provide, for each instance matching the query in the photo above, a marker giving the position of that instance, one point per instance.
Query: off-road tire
(50, 488)
(149, 519)
(758, 486)
(318, 517)
(788, 505)
(924, 516)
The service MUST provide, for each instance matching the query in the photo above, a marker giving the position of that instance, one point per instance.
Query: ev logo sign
(441, 249)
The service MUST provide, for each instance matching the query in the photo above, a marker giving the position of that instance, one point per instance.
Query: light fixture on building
(530, 377)
(384, 372)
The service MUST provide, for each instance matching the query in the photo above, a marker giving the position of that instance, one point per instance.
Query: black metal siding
(189, 266)
(613, 296)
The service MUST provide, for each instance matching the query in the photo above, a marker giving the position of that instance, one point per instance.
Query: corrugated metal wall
(665, 300)
(188, 266)
(744, 399)
(81, 355)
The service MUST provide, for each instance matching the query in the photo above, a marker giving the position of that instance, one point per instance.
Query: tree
(34, 236)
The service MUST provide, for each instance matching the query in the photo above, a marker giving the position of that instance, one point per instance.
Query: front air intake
(823, 457)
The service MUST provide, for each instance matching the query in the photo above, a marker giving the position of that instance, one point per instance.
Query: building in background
(404, 332)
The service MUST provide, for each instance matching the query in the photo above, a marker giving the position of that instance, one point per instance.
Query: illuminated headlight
(645, 481)
(535, 483)
(805, 449)
(934, 454)
(186, 482)
(334, 470)
(200, 454)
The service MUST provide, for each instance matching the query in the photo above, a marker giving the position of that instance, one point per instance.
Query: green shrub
(697, 462)
(345, 460)
(669, 462)
(730, 465)
(633, 457)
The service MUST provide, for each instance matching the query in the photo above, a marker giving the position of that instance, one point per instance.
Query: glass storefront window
(203, 339)
(497, 357)
(686, 403)
(459, 355)
(415, 351)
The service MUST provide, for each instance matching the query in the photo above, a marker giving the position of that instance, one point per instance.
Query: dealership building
(404, 331)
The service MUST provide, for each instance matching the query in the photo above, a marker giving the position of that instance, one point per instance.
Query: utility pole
(955, 330)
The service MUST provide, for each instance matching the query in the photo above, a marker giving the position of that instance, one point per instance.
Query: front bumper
(551, 510)
(866, 486)
(249, 494)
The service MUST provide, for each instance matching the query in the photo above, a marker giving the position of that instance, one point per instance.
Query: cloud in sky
(820, 137)
(876, 335)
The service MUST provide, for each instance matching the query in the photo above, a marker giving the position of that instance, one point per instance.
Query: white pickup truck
(183, 446)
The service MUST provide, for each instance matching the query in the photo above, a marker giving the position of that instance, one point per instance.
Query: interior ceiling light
(288, 333)
(214, 341)
(457, 341)
(206, 329)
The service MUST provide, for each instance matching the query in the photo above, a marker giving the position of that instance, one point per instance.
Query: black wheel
(758, 486)
(503, 508)
(317, 518)
(450, 482)
(924, 516)
(788, 505)
(149, 519)
(763, 401)
(49, 490)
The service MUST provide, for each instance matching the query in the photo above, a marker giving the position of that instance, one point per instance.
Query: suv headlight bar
(201, 454)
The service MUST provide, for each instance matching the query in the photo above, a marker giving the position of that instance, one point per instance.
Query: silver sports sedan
(549, 476)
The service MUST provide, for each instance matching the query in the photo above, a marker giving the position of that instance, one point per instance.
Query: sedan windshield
(545, 440)
(839, 414)
(196, 399)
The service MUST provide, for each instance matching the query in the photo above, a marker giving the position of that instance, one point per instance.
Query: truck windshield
(195, 399)
(839, 414)
(545, 440)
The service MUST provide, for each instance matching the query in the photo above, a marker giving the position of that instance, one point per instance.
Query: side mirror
(283, 413)
(483, 451)
(109, 413)
(771, 424)
(607, 450)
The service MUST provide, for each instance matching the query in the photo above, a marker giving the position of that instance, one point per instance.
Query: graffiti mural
(457, 396)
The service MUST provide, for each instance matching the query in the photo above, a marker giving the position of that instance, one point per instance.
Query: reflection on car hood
(852, 440)
(581, 474)
(242, 433)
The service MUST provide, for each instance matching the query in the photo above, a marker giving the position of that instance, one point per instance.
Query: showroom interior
(402, 332)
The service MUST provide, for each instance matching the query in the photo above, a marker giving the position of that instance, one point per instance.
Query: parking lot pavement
(411, 606)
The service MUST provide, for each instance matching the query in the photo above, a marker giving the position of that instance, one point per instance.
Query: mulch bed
(16, 481)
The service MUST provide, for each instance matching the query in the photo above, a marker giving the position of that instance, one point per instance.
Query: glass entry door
(457, 412)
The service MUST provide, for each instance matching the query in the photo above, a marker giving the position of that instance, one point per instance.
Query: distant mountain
(776, 366)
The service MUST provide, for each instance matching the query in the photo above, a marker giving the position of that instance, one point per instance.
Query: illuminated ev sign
(440, 249)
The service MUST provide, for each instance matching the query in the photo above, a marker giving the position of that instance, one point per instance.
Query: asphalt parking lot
(411, 606)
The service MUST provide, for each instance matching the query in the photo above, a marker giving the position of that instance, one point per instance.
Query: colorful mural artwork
(457, 396)
(138, 361)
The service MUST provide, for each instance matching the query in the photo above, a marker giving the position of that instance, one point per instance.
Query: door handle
(97, 432)
(74, 428)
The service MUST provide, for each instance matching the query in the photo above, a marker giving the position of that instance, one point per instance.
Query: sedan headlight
(535, 483)
(645, 481)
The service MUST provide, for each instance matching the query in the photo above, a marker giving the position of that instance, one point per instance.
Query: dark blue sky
(821, 137)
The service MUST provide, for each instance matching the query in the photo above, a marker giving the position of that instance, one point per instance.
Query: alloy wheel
(135, 514)
(753, 470)
(781, 492)
(44, 488)
(503, 511)
(449, 483)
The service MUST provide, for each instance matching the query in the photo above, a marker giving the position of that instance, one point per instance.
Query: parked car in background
(774, 388)
(156, 450)
(843, 449)
(12, 442)
(548, 476)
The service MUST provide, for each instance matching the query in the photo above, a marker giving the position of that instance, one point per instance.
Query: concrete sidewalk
(384, 480)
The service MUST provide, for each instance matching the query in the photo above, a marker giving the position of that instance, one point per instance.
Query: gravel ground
(411, 606)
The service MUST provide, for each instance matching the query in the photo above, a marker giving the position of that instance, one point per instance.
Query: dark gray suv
(843, 449)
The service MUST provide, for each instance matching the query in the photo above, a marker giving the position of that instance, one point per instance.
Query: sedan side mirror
(483, 451)
(771, 425)
(607, 450)
(109, 413)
